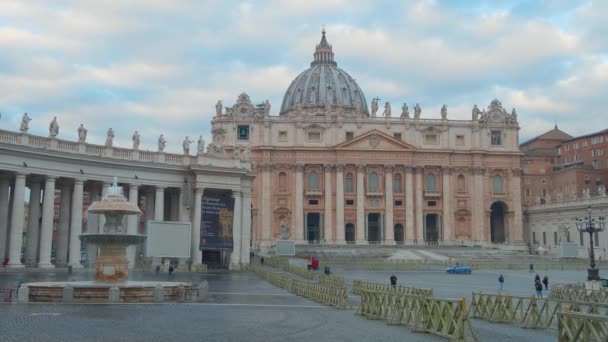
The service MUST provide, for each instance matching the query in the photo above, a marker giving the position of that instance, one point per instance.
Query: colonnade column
(159, 204)
(446, 222)
(477, 219)
(61, 249)
(132, 221)
(94, 221)
(516, 230)
(246, 228)
(419, 211)
(265, 207)
(299, 226)
(4, 195)
(46, 229)
(235, 256)
(389, 237)
(340, 236)
(33, 224)
(327, 216)
(76, 223)
(360, 206)
(195, 251)
(409, 205)
(17, 221)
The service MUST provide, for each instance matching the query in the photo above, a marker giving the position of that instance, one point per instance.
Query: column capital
(199, 189)
(21, 174)
(360, 167)
(236, 193)
(388, 168)
(340, 167)
(160, 188)
(477, 170)
(78, 181)
(328, 167)
(419, 169)
(409, 168)
(50, 178)
(299, 167)
(133, 186)
(446, 169)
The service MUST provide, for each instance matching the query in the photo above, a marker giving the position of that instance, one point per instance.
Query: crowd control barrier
(578, 294)
(360, 285)
(574, 327)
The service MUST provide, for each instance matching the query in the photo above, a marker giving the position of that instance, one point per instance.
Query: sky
(160, 66)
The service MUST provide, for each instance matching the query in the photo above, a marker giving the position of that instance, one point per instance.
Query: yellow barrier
(360, 285)
(579, 295)
(332, 280)
(581, 327)
(300, 271)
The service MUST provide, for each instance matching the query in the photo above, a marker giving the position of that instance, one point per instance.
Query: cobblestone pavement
(242, 307)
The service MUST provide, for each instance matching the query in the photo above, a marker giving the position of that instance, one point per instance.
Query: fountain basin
(98, 292)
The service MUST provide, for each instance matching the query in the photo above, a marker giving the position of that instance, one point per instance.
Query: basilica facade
(331, 170)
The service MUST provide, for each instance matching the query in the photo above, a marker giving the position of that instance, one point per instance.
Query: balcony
(432, 194)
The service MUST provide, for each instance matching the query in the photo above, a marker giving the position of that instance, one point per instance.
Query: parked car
(459, 268)
(604, 282)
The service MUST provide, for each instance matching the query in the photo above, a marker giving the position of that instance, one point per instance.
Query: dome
(323, 85)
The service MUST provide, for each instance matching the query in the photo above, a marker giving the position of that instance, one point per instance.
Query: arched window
(430, 182)
(282, 181)
(497, 186)
(313, 181)
(397, 183)
(461, 183)
(373, 182)
(349, 182)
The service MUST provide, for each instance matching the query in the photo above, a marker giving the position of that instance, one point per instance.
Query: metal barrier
(529, 312)
(581, 327)
(300, 271)
(360, 285)
(332, 280)
(442, 317)
(579, 295)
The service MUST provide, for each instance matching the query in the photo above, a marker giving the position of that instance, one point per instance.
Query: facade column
(409, 206)
(195, 250)
(33, 224)
(159, 204)
(418, 214)
(446, 222)
(266, 210)
(61, 249)
(340, 236)
(132, 221)
(93, 221)
(46, 229)
(246, 228)
(17, 221)
(361, 240)
(328, 224)
(4, 196)
(235, 256)
(389, 237)
(76, 224)
(174, 198)
(299, 214)
(478, 219)
(516, 235)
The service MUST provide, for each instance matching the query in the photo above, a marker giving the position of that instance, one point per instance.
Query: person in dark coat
(537, 278)
(546, 282)
(501, 281)
(393, 280)
(539, 289)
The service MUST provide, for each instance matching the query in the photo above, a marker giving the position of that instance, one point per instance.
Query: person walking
(546, 282)
(501, 281)
(393, 280)
(537, 278)
(170, 275)
(531, 268)
(539, 289)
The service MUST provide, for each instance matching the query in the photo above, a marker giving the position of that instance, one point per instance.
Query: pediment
(374, 140)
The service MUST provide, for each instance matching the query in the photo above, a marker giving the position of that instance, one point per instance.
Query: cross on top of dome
(323, 52)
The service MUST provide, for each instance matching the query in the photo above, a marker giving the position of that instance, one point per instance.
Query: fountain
(111, 266)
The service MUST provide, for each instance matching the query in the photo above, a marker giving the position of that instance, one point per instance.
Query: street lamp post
(591, 226)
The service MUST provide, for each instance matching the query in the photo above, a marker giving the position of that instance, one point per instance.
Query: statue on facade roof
(53, 128)
(266, 108)
(475, 113)
(513, 117)
(82, 133)
(25, 123)
(417, 111)
(374, 107)
(387, 110)
(161, 143)
(405, 113)
(444, 112)
(110, 137)
(218, 108)
(135, 139)
(186, 145)
(200, 145)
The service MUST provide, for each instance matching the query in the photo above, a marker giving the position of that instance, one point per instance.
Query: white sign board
(168, 239)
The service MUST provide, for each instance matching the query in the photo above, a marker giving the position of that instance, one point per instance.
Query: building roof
(586, 135)
(554, 134)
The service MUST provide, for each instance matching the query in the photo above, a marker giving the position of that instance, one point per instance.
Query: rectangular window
(430, 139)
(596, 239)
(431, 203)
(350, 202)
(314, 136)
(398, 203)
(580, 238)
(397, 136)
(283, 136)
(534, 238)
(460, 140)
(559, 151)
(313, 202)
(585, 143)
(243, 131)
(544, 238)
(595, 164)
(496, 138)
(555, 238)
(349, 135)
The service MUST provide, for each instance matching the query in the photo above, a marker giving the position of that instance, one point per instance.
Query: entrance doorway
(213, 259)
(373, 228)
(313, 227)
(431, 228)
(497, 222)
(399, 236)
(349, 233)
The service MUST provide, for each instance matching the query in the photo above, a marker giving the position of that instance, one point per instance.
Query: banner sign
(216, 222)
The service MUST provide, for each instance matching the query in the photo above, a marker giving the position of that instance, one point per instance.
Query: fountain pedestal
(112, 263)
